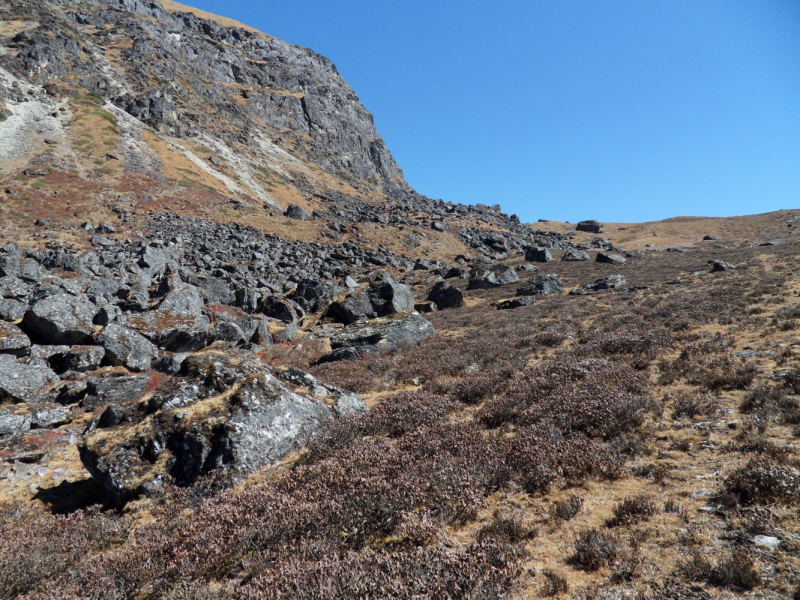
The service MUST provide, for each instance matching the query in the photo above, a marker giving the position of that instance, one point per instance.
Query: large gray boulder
(379, 336)
(589, 226)
(383, 298)
(446, 295)
(126, 348)
(13, 340)
(538, 255)
(12, 310)
(541, 285)
(297, 212)
(391, 298)
(575, 255)
(353, 308)
(169, 330)
(280, 308)
(61, 319)
(223, 411)
(26, 379)
(609, 258)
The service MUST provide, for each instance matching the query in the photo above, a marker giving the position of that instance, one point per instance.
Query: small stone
(766, 541)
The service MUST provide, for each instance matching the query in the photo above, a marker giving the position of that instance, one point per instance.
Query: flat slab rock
(224, 410)
(25, 379)
(380, 335)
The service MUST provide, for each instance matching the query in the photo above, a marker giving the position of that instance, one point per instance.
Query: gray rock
(351, 309)
(604, 257)
(187, 300)
(84, 358)
(170, 362)
(297, 212)
(516, 302)
(12, 310)
(13, 340)
(575, 255)
(113, 386)
(379, 336)
(508, 277)
(589, 226)
(61, 319)
(766, 541)
(538, 255)
(281, 308)
(173, 331)
(446, 295)
(391, 298)
(125, 348)
(541, 285)
(24, 380)
(482, 279)
(719, 266)
(187, 430)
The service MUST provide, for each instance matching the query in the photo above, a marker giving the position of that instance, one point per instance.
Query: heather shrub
(736, 571)
(564, 510)
(762, 482)
(632, 510)
(594, 549)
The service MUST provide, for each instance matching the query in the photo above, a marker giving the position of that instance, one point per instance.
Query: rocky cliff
(190, 77)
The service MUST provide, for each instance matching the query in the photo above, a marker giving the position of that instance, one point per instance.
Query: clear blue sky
(618, 110)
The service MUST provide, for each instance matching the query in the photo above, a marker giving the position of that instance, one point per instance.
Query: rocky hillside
(241, 358)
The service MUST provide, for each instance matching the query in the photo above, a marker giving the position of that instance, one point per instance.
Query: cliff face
(187, 76)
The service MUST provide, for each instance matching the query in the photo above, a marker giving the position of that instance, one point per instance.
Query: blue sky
(618, 110)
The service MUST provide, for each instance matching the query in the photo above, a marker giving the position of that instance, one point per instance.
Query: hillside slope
(240, 357)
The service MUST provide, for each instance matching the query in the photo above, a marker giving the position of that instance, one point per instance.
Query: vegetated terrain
(175, 265)
(620, 445)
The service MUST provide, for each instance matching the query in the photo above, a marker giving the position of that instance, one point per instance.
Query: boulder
(538, 255)
(224, 411)
(314, 296)
(610, 282)
(541, 285)
(614, 259)
(446, 295)
(12, 310)
(227, 331)
(482, 279)
(575, 255)
(214, 289)
(114, 385)
(84, 358)
(24, 380)
(508, 277)
(718, 266)
(297, 212)
(13, 340)
(379, 336)
(173, 331)
(391, 298)
(281, 308)
(61, 319)
(516, 302)
(187, 300)
(589, 226)
(352, 308)
(125, 348)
